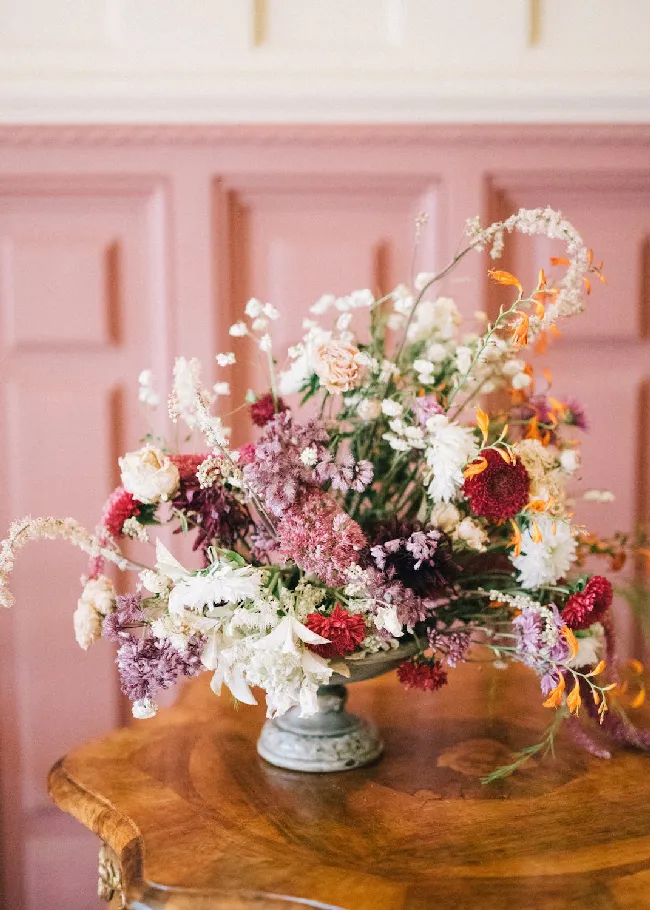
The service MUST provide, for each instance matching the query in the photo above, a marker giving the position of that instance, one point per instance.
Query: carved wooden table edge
(329, 842)
(120, 860)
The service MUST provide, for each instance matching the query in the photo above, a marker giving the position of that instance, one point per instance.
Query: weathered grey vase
(332, 739)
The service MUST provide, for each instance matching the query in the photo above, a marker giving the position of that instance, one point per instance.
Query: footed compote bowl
(332, 739)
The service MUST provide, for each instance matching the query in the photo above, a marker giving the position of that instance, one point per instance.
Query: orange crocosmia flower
(635, 665)
(559, 260)
(573, 699)
(505, 278)
(532, 431)
(598, 669)
(539, 309)
(554, 699)
(520, 333)
(587, 285)
(475, 467)
(571, 640)
(535, 533)
(638, 699)
(554, 331)
(548, 376)
(483, 422)
(541, 280)
(541, 344)
(505, 454)
(515, 540)
(539, 505)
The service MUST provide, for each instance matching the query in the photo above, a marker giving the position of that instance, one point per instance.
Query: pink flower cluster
(320, 537)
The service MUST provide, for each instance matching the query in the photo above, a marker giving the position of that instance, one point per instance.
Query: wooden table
(193, 819)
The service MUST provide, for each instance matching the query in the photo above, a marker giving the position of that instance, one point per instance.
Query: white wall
(324, 60)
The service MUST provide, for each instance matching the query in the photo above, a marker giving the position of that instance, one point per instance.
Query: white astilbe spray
(49, 528)
(549, 223)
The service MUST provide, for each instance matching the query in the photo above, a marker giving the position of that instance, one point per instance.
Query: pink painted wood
(121, 247)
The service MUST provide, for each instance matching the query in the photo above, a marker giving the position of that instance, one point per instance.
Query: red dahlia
(590, 605)
(119, 506)
(422, 674)
(344, 630)
(265, 409)
(500, 490)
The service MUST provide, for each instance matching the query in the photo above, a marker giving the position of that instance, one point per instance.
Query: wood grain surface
(199, 821)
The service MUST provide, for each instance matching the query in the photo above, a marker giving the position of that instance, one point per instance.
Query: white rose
(99, 593)
(472, 534)
(149, 474)
(87, 624)
(445, 516)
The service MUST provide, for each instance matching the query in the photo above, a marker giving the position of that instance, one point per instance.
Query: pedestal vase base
(330, 740)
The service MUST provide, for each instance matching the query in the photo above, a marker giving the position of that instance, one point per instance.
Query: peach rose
(337, 366)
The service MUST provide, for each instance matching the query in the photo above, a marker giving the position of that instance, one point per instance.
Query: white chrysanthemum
(449, 448)
(543, 562)
(221, 584)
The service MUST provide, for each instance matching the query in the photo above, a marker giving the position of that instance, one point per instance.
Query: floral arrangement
(395, 510)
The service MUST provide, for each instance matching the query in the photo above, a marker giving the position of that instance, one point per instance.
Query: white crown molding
(259, 100)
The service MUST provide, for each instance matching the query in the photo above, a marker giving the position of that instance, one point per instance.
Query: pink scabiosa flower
(422, 674)
(265, 409)
(119, 506)
(500, 490)
(320, 537)
(590, 605)
(345, 631)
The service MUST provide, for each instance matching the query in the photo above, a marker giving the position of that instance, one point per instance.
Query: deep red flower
(187, 465)
(119, 506)
(501, 490)
(589, 606)
(265, 409)
(344, 630)
(421, 674)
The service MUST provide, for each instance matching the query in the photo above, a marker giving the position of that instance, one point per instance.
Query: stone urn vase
(332, 739)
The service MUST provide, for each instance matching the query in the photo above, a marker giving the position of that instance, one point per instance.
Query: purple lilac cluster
(291, 457)
(540, 643)
(277, 475)
(345, 475)
(128, 615)
(452, 644)
(145, 664)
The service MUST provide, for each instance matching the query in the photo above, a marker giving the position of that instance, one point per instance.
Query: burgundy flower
(420, 558)
(590, 605)
(344, 630)
(265, 409)
(501, 490)
(119, 506)
(422, 674)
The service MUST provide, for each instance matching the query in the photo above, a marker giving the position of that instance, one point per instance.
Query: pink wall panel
(122, 247)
